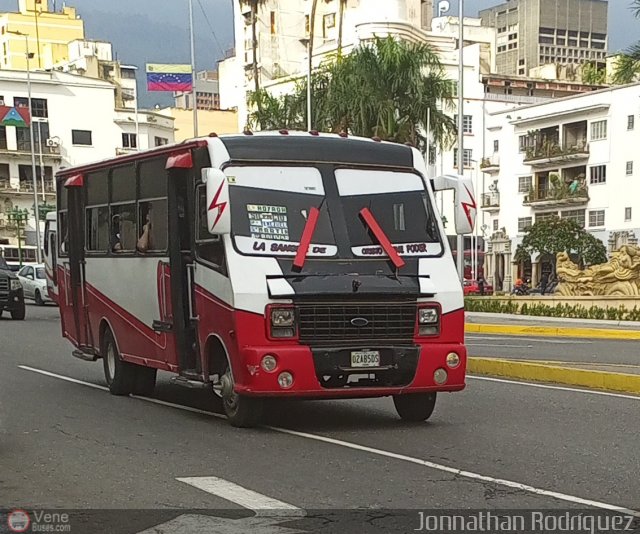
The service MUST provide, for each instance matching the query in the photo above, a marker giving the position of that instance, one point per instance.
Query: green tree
(389, 88)
(554, 235)
(628, 64)
(593, 75)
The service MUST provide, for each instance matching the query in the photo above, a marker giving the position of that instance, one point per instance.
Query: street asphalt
(66, 444)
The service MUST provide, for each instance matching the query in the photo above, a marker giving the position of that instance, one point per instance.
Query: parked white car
(34, 283)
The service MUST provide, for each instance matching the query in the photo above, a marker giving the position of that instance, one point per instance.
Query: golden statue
(619, 277)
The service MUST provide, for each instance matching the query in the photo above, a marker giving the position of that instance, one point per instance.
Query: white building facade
(74, 122)
(575, 157)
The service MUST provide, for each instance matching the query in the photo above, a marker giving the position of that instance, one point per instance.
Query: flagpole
(194, 101)
(135, 103)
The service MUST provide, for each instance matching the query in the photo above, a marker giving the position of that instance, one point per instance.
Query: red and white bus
(268, 265)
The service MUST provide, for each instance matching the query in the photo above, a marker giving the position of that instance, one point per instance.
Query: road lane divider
(453, 471)
(554, 373)
(551, 331)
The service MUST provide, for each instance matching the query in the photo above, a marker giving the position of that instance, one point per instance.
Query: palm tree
(628, 65)
(255, 6)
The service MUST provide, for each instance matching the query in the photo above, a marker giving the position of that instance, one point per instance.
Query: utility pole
(460, 242)
(194, 100)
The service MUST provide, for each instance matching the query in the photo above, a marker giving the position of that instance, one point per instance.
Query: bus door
(73, 303)
(181, 264)
(51, 256)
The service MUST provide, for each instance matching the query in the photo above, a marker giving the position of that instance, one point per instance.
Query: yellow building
(218, 121)
(48, 34)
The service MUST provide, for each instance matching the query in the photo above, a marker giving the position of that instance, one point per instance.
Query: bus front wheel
(415, 407)
(241, 411)
(120, 375)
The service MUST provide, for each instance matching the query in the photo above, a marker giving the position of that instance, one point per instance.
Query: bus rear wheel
(120, 375)
(415, 407)
(241, 411)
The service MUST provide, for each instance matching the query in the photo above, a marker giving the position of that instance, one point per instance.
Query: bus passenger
(116, 244)
(144, 241)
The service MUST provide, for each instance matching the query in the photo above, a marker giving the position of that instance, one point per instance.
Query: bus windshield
(270, 207)
(269, 210)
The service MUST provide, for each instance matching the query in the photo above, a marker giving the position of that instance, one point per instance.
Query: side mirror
(465, 206)
(218, 212)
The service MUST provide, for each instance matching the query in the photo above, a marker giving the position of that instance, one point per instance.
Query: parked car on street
(34, 283)
(471, 287)
(11, 294)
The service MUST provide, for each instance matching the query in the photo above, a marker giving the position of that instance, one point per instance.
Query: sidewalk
(525, 325)
(610, 375)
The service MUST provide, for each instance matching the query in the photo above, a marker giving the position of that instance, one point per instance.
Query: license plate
(365, 358)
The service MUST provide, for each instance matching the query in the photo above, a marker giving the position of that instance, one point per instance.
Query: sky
(143, 32)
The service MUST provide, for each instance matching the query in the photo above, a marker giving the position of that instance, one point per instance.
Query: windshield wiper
(381, 237)
(307, 235)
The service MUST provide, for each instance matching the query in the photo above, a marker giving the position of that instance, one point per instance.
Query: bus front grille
(344, 322)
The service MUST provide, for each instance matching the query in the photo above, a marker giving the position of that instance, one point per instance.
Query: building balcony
(490, 201)
(490, 165)
(553, 153)
(546, 198)
(24, 151)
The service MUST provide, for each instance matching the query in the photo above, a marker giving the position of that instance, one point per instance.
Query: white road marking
(240, 495)
(533, 339)
(559, 388)
(498, 345)
(425, 463)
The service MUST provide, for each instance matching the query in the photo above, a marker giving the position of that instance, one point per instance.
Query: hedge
(576, 311)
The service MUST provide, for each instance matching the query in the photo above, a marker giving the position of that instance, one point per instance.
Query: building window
(129, 140)
(328, 22)
(631, 122)
(629, 168)
(81, 137)
(525, 183)
(496, 145)
(575, 215)
(627, 214)
(524, 223)
(495, 225)
(466, 157)
(598, 174)
(596, 218)
(598, 130)
(526, 141)
(39, 106)
(160, 141)
(467, 123)
(545, 216)
(307, 28)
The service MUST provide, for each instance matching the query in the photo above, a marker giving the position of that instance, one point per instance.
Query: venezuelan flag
(169, 77)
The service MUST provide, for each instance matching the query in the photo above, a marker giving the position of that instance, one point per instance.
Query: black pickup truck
(11, 294)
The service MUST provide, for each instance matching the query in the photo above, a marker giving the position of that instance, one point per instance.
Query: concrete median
(557, 373)
(551, 331)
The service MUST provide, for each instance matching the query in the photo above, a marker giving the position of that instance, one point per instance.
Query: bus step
(188, 383)
(84, 356)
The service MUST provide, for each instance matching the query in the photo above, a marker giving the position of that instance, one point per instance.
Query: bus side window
(209, 247)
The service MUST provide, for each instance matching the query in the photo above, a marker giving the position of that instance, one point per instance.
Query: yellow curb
(550, 331)
(550, 373)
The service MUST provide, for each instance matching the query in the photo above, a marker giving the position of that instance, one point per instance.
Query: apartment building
(75, 121)
(207, 93)
(573, 157)
(532, 33)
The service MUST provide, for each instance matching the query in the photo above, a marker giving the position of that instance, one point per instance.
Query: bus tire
(145, 381)
(415, 407)
(19, 313)
(120, 375)
(241, 411)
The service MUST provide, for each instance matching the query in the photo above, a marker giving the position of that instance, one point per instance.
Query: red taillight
(282, 323)
(428, 319)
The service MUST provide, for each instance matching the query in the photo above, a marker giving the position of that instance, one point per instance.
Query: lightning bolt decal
(219, 205)
(469, 206)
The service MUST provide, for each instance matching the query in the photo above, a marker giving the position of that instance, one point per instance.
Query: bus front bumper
(327, 373)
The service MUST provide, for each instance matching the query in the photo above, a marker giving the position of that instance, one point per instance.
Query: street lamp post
(460, 241)
(33, 153)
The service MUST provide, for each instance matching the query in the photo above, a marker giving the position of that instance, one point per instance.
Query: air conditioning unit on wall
(52, 143)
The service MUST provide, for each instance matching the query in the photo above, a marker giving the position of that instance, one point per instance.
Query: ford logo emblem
(359, 321)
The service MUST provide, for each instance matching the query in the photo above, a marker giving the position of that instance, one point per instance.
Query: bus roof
(278, 146)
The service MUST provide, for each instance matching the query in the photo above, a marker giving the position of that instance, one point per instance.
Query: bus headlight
(282, 322)
(428, 315)
(15, 285)
(429, 321)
